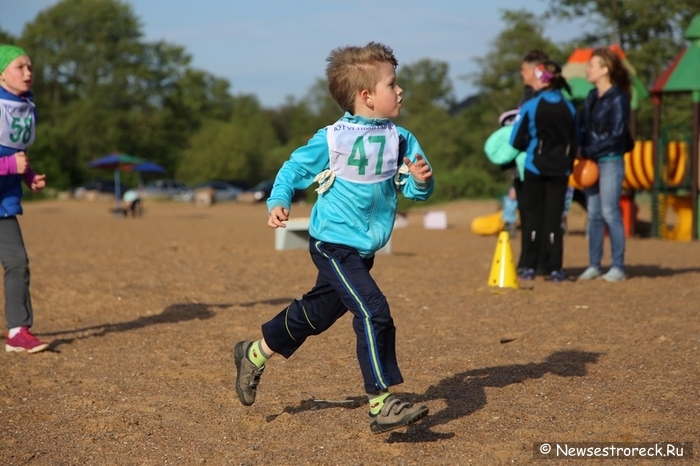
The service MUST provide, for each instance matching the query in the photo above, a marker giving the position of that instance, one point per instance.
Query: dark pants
(343, 284)
(542, 259)
(543, 204)
(520, 196)
(13, 255)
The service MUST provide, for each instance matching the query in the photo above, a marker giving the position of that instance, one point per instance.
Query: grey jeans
(13, 256)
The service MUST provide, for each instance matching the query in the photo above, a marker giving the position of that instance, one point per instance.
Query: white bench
(296, 236)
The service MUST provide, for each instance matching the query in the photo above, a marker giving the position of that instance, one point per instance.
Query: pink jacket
(8, 166)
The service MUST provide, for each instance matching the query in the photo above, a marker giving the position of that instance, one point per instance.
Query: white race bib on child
(17, 124)
(363, 153)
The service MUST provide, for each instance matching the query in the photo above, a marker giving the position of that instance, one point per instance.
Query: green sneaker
(248, 375)
(396, 413)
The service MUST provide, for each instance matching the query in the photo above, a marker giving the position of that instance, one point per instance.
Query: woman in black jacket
(604, 138)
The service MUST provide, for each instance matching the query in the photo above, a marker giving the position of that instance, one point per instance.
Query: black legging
(543, 205)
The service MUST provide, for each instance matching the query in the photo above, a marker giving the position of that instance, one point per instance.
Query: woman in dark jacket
(546, 131)
(604, 138)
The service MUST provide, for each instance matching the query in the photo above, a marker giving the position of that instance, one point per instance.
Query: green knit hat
(8, 53)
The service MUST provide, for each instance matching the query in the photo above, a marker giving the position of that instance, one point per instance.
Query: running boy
(360, 162)
(17, 123)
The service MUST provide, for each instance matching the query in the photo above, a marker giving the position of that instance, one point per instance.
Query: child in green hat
(17, 131)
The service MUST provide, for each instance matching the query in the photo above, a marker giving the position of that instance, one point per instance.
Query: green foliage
(100, 87)
(651, 34)
(237, 149)
(466, 182)
(426, 84)
(6, 37)
(499, 75)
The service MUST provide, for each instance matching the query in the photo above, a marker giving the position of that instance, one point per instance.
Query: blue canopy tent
(120, 162)
(146, 167)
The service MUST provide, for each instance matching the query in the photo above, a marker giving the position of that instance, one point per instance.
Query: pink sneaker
(24, 341)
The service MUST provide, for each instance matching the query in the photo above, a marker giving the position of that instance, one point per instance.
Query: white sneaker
(614, 275)
(590, 273)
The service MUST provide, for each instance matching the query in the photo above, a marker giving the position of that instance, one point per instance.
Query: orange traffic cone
(503, 272)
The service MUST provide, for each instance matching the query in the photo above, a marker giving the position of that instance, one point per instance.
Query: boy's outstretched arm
(278, 215)
(296, 173)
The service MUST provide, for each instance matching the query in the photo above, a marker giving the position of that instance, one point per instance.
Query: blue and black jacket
(546, 131)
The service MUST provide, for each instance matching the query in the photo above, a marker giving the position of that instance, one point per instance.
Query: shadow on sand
(172, 314)
(464, 393)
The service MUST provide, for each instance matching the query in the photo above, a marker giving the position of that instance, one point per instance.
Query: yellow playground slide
(683, 229)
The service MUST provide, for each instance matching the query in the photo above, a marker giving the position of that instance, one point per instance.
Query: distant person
(510, 213)
(605, 137)
(546, 131)
(360, 162)
(132, 202)
(531, 60)
(17, 131)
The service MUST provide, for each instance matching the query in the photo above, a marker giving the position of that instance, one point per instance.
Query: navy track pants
(343, 284)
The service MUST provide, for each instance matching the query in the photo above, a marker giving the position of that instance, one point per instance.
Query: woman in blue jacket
(604, 138)
(546, 131)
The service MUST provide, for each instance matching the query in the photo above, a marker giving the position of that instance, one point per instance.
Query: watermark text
(620, 450)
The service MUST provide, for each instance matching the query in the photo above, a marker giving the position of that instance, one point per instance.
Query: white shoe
(614, 275)
(590, 273)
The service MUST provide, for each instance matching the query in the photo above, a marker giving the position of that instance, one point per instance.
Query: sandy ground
(143, 314)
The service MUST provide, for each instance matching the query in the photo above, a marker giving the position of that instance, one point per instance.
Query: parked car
(262, 191)
(223, 191)
(167, 189)
(97, 188)
(239, 184)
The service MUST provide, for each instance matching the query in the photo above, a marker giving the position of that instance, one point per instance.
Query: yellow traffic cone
(503, 272)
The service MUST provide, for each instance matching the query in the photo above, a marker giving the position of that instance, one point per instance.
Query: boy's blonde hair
(352, 69)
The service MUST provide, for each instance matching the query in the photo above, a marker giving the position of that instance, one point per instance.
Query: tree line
(100, 87)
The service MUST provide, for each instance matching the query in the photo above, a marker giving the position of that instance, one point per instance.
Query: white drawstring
(324, 179)
(403, 170)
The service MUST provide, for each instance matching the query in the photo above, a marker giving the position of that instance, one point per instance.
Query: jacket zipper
(371, 216)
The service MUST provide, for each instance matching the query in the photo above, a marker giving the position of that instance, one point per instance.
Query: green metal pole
(655, 220)
(117, 188)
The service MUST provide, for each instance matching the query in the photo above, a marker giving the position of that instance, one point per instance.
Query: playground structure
(681, 76)
(667, 169)
(665, 173)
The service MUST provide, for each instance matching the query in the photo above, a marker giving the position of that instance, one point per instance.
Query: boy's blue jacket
(358, 215)
(11, 185)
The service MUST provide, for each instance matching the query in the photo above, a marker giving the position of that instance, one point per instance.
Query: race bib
(362, 153)
(16, 124)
